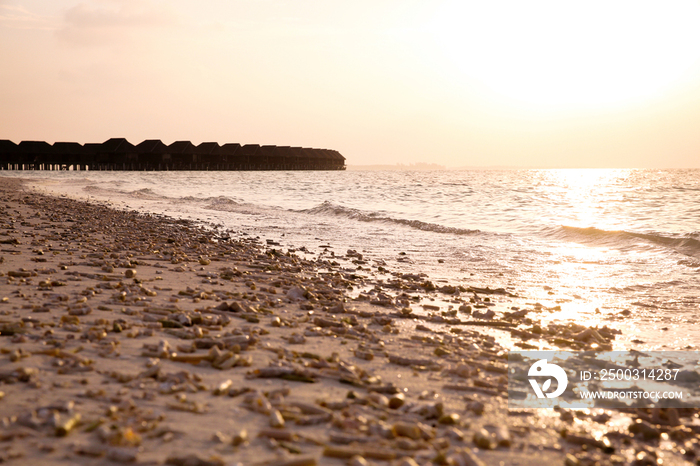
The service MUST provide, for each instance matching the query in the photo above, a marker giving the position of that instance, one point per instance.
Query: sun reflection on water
(580, 205)
(585, 195)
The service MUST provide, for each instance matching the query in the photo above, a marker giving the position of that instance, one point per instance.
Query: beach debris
(484, 439)
(193, 459)
(65, 425)
(465, 457)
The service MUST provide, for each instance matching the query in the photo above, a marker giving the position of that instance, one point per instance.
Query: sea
(615, 247)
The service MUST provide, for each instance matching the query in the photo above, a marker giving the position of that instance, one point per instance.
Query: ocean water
(609, 247)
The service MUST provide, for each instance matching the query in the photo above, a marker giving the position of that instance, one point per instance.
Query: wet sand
(134, 338)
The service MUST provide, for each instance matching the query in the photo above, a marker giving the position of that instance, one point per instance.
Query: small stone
(276, 419)
(357, 460)
(466, 458)
(449, 419)
(397, 401)
(440, 351)
(240, 438)
(647, 430)
(406, 429)
(194, 460)
(476, 407)
(483, 439)
(93, 449)
(122, 455)
(65, 426)
(220, 437)
(502, 436)
(378, 399)
(455, 434)
(296, 293)
(130, 273)
(406, 461)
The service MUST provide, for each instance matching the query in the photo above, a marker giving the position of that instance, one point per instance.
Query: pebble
(397, 401)
(406, 461)
(357, 460)
(465, 457)
(484, 439)
(644, 429)
(276, 419)
(406, 429)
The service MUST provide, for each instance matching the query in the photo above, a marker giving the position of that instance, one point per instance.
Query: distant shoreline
(434, 167)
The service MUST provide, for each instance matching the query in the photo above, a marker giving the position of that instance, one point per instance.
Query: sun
(570, 53)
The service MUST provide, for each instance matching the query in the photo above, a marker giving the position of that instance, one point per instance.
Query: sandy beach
(132, 338)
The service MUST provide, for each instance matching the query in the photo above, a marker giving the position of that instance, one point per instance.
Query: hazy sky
(514, 83)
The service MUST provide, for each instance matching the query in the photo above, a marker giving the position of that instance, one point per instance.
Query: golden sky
(458, 83)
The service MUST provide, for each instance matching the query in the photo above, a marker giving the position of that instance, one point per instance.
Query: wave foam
(221, 203)
(328, 208)
(687, 244)
(146, 193)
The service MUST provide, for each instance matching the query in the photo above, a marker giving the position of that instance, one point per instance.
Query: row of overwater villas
(153, 154)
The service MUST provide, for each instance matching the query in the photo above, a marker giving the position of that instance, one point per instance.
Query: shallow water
(610, 240)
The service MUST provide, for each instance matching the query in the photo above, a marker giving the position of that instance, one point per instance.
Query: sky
(457, 83)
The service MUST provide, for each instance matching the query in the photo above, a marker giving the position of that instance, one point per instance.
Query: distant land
(433, 166)
(398, 167)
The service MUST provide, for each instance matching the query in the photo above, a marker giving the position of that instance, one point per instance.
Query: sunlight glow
(570, 54)
(587, 189)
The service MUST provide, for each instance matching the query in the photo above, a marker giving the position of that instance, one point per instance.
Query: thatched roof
(152, 146)
(116, 146)
(35, 147)
(181, 147)
(310, 153)
(337, 155)
(268, 151)
(284, 151)
(92, 148)
(7, 147)
(249, 149)
(230, 149)
(207, 148)
(67, 148)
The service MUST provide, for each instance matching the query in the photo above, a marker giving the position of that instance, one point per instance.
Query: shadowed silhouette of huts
(115, 154)
(230, 157)
(9, 155)
(249, 155)
(181, 155)
(207, 153)
(284, 158)
(32, 154)
(68, 154)
(153, 154)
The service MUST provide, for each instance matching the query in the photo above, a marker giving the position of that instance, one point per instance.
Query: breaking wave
(688, 244)
(221, 203)
(328, 208)
(145, 193)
